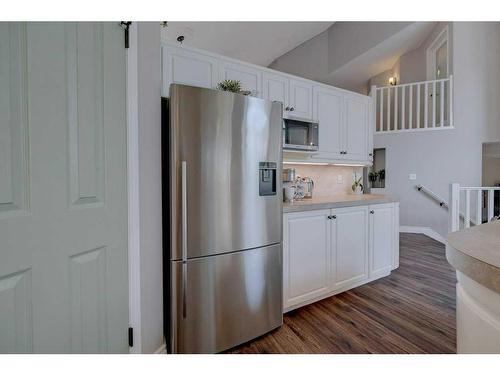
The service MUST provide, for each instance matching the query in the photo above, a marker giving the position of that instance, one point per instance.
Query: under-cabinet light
(311, 163)
(304, 163)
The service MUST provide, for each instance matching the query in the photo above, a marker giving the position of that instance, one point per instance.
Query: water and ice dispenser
(267, 178)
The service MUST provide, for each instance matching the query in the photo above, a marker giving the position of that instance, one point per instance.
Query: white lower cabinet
(382, 227)
(329, 251)
(306, 238)
(350, 245)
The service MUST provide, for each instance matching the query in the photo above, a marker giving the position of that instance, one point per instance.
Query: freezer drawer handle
(184, 236)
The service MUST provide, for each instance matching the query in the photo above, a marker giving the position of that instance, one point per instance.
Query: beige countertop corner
(475, 252)
(336, 201)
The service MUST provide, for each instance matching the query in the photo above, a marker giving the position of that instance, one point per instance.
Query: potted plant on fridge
(232, 85)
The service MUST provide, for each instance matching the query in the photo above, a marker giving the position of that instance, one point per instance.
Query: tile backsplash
(325, 177)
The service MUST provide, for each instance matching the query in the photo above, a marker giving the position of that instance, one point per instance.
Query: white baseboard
(161, 350)
(423, 230)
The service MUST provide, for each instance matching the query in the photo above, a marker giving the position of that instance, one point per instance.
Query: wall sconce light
(393, 81)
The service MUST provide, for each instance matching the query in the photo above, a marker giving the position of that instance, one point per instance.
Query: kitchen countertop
(336, 201)
(475, 252)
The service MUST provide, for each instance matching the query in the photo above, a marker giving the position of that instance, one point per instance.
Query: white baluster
(381, 114)
(403, 107)
(373, 94)
(388, 108)
(396, 89)
(434, 104)
(479, 207)
(490, 204)
(453, 212)
(442, 104)
(418, 106)
(410, 120)
(450, 100)
(426, 104)
(467, 209)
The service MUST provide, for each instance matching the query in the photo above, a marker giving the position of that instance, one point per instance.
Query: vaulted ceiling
(255, 42)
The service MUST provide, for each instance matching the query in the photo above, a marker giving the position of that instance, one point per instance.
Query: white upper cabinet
(306, 256)
(382, 246)
(301, 99)
(250, 78)
(356, 111)
(275, 87)
(328, 113)
(188, 68)
(350, 245)
(345, 118)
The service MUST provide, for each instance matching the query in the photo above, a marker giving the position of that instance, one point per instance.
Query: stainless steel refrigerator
(225, 207)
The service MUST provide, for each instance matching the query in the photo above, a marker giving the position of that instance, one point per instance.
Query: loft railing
(480, 205)
(410, 107)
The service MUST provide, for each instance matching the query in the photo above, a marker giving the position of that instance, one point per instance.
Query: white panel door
(250, 78)
(356, 122)
(328, 113)
(350, 245)
(306, 256)
(188, 68)
(301, 99)
(381, 239)
(63, 199)
(275, 87)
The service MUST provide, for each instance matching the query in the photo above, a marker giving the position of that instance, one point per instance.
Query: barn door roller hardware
(126, 26)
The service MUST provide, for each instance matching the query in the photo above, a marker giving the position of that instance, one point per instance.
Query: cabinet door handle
(334, 216)
(292, 109)
(372, 212)
(287, 108)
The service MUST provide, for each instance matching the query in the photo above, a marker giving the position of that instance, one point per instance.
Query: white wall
(149, 106)
(441, 157)
(348, 40)
(309, 60)
(334, 49)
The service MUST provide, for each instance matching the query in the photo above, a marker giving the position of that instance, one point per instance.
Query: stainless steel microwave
(300, 135)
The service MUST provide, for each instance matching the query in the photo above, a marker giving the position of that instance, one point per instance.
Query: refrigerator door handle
(184, 236)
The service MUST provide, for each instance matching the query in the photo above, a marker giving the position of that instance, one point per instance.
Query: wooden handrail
(433, 195)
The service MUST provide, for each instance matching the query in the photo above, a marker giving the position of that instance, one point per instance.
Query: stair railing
(443, 203)
(480, 193)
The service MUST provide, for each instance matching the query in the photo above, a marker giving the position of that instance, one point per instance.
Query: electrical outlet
(412, 176)
(340, 179)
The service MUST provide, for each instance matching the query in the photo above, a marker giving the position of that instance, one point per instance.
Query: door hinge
(130, 337)
(126, 26)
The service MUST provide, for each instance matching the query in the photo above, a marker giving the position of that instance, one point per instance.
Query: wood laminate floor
(410, 311)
